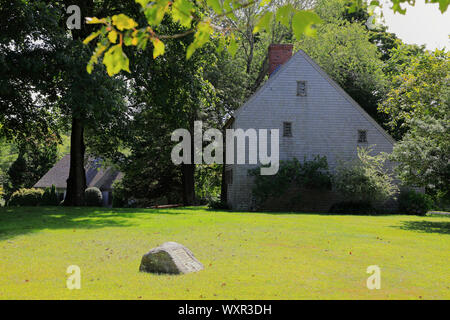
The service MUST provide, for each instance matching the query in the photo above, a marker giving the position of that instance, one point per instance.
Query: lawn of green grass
(246, 255)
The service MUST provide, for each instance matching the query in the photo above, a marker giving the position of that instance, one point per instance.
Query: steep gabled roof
(56, 175)
(105, 178)
(266, 85)
(338, 88)
(96, 176)
(346, 96)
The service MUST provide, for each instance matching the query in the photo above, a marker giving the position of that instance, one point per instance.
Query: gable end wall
(325, 122)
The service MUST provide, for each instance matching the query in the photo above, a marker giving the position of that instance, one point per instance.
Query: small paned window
(362, 136)
(287, 129)
(301, 88)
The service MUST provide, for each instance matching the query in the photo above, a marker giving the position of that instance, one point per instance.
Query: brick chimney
(279, 54)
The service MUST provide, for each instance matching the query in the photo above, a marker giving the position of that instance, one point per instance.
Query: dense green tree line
(127, 117)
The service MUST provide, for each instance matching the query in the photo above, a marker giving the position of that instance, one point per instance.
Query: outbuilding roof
(96, 175)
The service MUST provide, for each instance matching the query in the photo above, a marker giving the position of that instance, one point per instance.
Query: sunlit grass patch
(246, 255)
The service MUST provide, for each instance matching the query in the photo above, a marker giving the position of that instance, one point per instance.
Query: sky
(422, 24)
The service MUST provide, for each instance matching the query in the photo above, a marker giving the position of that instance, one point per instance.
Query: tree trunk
(188, 184)
(76, 183)
(223, 186)
(262, 74)
(188, 171)
(251, 38)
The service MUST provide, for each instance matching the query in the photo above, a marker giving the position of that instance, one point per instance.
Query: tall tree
(28, 85)
(253, 45)
(344, 51)
(190, 15)
(44, 80)
(418, 106)
(76, 182)
(35, 158)
(166, 95)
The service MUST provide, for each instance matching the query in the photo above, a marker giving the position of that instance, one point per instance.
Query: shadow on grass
(426, 226)
(15, 221)
(298, 213)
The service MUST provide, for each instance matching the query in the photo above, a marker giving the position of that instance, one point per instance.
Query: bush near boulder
(93, 197)
(412, 202)
(26, 197)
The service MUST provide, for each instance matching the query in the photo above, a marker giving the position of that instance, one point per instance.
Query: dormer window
(362, 136)
(301, 88)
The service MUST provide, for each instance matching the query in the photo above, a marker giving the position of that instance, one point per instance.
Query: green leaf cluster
(311, 174)
(365, 179)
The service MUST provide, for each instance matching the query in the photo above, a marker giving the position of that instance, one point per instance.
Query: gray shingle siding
(324, 122)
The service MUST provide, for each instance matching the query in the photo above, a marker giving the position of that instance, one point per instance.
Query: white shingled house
(314, 115)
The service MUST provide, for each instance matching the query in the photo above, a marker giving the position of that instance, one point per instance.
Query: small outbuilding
(96, 176)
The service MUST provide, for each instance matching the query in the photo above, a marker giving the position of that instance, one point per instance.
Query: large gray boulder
(171, 258)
